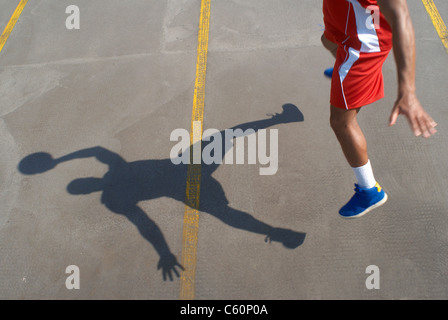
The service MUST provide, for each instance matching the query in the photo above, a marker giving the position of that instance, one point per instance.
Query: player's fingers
(393, 117)
(432, 123)
(423, 128)
(429, 126)
(169, 275)
(415, 125)
(176, 273)
(433, 130)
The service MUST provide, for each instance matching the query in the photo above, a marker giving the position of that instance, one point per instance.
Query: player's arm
(397, 14)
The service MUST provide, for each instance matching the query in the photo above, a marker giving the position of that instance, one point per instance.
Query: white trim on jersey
(366, 34)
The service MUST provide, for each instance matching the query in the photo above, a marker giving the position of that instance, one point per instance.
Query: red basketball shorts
(357, 78)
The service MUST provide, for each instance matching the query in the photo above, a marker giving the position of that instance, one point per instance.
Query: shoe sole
(376, 205)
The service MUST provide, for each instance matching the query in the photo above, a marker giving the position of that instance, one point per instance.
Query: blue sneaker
(329, 73)
(364, 200)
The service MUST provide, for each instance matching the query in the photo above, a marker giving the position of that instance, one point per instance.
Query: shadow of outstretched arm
(168, 263)
(101, 154)
(41, 162)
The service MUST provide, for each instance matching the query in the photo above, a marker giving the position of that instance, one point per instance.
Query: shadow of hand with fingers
(127, 183)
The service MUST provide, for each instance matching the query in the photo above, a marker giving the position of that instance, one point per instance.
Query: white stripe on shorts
(352, 57)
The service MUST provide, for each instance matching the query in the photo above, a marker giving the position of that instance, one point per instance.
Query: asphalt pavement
(99, 212)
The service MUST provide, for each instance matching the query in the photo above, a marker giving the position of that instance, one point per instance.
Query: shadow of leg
(289, 238)
(241, 220)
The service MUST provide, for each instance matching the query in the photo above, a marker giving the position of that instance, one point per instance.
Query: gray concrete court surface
(125, 80)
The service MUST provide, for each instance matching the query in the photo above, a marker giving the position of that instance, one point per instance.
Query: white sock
(364, 175)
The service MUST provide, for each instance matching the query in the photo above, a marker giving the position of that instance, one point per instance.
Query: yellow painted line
(12, 22)
(437, 21)
(191, 213)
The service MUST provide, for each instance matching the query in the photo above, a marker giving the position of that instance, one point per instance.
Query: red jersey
(357, 24)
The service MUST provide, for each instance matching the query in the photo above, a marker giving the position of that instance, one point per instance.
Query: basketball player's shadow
(127, 183)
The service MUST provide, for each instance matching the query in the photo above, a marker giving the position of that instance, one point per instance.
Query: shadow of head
(35, 163)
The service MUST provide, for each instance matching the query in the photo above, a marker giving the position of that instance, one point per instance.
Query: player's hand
(168, 263)
(420, 122)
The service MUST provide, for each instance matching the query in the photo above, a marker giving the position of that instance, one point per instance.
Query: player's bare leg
(368, 193)
(353, 143)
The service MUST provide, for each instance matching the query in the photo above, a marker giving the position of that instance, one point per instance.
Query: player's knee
(339, 123)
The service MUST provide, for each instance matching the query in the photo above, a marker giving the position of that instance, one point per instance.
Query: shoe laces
(360, 191)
